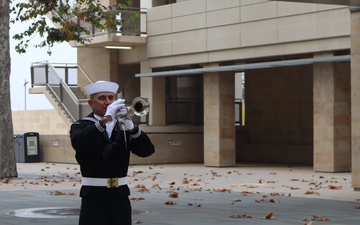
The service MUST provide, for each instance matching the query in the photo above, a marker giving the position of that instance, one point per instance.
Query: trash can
(19, 144)
(27, 147)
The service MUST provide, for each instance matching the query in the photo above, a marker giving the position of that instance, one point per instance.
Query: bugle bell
(139, 107)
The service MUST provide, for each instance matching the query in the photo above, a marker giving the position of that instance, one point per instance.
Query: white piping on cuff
(137, 134)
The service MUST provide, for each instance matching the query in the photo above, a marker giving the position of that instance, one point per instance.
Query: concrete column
(355, 97)
(102, 67)
(219, 123)
(153, 88)
(332, 148)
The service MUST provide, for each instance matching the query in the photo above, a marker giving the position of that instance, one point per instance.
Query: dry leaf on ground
(242, 216)
(137, 199)
(320, 218)
(174, 194)
(170, 203)
(270, 216)
(224, 190)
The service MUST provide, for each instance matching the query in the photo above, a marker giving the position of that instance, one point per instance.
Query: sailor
(103, 145)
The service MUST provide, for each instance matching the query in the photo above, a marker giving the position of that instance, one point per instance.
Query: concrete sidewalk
(47, 193)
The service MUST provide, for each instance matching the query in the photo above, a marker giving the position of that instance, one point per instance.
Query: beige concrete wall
(173, 145)
(174, 148)
(170, 148)
(56, 148)
(206, 31)
(41, 121)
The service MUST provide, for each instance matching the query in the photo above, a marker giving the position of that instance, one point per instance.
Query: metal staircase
(58, 82)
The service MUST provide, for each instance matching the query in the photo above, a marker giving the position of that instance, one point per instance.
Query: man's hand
(122, 113)
(113, 107)
(128, 124)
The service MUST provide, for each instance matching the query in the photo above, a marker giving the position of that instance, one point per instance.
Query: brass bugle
(139, 107)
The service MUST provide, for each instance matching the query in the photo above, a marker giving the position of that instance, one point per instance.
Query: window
(184, 100)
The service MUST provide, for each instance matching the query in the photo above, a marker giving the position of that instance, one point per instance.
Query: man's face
(100, 101)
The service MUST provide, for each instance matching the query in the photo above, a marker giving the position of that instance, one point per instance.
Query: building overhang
(245, 67)
(331, 2)
(112, 39)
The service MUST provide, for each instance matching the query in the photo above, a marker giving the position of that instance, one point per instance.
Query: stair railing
(45, 74)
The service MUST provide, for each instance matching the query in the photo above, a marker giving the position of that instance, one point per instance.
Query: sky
(20, 69)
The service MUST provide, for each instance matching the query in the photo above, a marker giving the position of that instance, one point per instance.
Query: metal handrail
(44, 74)
(85, 75)
(59, 94)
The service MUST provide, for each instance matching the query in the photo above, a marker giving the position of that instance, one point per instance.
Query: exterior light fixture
(118, 47)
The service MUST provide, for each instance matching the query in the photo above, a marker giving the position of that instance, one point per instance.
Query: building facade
(298, 64)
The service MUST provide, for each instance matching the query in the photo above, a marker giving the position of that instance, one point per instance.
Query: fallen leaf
(332, 187)
(170, 203)
(174, 194)
(137, 199)
(241, 216)
(277, 194)
(224, 190)
(320, 218)
(156, 186)
(215, 174)
(265, 200)
(141, 188)
(246, 193)
(312, 193)
(238, 200)
(269, 216)
(7, 180)
(62, 193)
(137, 172)
(185, 181)
(251, 185)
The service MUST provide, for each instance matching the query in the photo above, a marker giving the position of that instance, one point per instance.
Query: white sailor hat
(101, 86)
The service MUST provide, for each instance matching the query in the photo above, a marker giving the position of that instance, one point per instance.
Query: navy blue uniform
(102, 157)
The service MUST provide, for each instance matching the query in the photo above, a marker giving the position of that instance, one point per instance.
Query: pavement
(189, 194)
